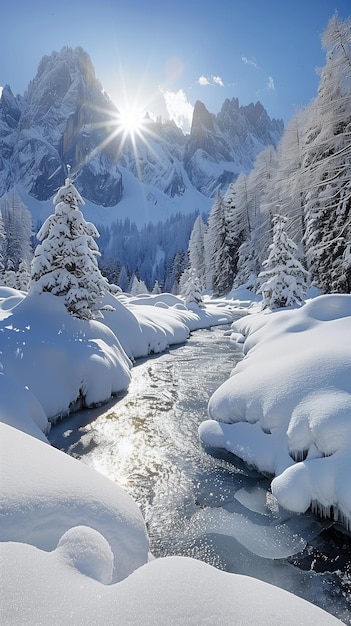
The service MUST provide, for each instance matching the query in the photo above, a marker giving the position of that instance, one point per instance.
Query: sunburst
(128, 128)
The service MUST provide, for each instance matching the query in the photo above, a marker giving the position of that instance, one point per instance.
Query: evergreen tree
(196, 250)
(123, 279)
(65, 263)
(156, 288)
(283, 281)
(327, 155)
(23, 276)
(218, 246)
(192, 289)
(17, 224)
(2, 248)
(137, 286)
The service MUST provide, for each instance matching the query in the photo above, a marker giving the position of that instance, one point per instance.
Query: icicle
(298, 455)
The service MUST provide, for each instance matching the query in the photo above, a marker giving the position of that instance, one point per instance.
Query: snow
(172, 590)
(286, 408)
(60, 358)
(74, 545)
(45, 492)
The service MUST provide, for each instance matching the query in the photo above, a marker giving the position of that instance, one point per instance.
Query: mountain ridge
(66, 117)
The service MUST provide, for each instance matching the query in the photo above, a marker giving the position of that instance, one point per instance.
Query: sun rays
(123, 133)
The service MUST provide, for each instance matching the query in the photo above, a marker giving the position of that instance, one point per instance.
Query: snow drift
(286, 409)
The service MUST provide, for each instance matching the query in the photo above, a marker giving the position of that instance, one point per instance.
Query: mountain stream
(198, 502)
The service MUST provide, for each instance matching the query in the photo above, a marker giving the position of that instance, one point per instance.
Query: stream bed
(197, 502)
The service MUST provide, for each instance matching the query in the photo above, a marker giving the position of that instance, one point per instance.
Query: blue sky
(162, 56)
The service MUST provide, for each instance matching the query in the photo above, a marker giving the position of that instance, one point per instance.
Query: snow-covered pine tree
(17, 223)
(137, 286)
(218, 249)
(196, 250)
(123, 279)
(156, 288)
(65, 262)
(283, 281)
(192, 289)
(2, 248)
(23, 276)
(253, 199)
(327, 155)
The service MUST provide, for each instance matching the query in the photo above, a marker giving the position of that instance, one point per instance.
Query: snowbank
(74, 547)
(286, 409)
(45, 492)
(175, 590)
(61, 359)
(53, 362)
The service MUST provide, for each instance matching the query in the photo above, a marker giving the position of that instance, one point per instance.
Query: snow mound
(61, 359)
(44, 493)
(286, 409)
(171, 590)
(21, 409)
(87, 551)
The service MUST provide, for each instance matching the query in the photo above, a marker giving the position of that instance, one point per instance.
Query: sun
(129, 128)
(131, 120)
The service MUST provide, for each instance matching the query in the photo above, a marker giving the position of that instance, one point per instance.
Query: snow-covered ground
(74, 545)
(286, 409)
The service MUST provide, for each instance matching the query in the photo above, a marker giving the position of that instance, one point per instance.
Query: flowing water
(197, 502)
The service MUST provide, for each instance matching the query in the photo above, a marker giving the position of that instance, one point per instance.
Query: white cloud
(248, 61)
(211, 80)
(202, 80)
(179, 109)
(253, 63)
(217, 80)
(271, 83)
(1, 88)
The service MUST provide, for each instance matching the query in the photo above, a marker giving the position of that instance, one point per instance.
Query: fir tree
(196, 250)
(218, 245)
(123, 279)
(192, 289)
(283, 281)
(17, 226)
(65, 263)
(327, 155)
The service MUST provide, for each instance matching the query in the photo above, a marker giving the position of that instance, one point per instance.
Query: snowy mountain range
(66, 117)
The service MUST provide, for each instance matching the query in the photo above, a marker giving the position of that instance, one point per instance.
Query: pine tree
(65, 263)
(137, 287)
(192, 289)
(2, 248)
(327, 155)
(196, 250)
(17, 224)
(156, 288)
(123, 279)
(283, 281)
(218, 246)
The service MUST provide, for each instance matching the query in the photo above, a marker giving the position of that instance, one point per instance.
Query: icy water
(195, 502)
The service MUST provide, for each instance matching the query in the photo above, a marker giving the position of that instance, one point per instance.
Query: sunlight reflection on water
(147, 441)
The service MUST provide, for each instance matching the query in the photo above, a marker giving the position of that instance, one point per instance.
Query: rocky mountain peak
(65, 117)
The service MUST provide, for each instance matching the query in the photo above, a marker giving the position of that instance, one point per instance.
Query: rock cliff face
(222, 146)
(58, 123)
(66, 117)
